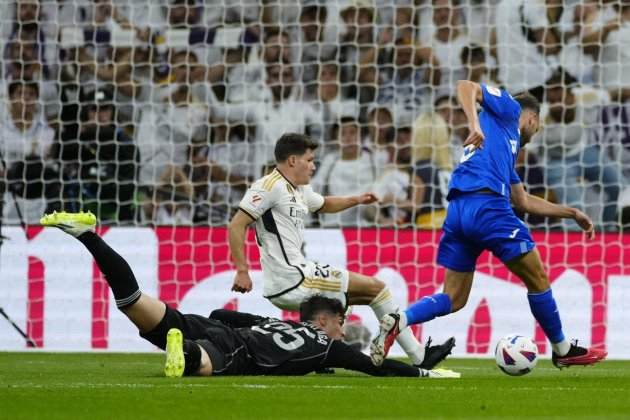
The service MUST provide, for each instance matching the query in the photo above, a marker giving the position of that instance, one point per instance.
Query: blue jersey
(493, 166)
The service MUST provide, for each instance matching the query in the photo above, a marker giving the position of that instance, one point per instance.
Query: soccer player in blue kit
(480, 217)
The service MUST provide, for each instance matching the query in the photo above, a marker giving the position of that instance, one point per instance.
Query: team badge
(255, 200)
(494, 91)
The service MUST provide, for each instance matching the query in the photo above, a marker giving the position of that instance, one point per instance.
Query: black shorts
(227, 350)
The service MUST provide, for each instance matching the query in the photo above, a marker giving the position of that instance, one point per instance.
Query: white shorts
(318, 280)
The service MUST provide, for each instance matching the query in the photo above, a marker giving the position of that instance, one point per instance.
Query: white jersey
(279, 209)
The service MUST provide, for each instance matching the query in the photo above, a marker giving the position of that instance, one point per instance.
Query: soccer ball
(516, 355)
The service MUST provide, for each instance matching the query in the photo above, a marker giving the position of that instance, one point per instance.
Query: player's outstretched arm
(334, 204)
(237, 230)
(343, 356)
(532, 204)
(469, 94)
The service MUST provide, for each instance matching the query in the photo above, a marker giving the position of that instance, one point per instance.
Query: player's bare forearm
(335, 204)
(469, 94)
(541, 207)
(236, 236)
(535, 205)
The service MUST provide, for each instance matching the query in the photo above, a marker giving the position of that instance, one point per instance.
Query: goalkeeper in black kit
(229, 342)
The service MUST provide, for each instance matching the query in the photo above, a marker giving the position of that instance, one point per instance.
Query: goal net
(157, 116)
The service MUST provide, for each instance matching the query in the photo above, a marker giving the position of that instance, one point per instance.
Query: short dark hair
(334, 131)
(527, 101)
(274, 31)
(472, 52)
(24, 84)
(317, 304)
(319, 12)
(293, 144)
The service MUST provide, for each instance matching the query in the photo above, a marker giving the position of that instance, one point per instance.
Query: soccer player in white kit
(277, 204)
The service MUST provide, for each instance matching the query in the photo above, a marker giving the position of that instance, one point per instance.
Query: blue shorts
(476, 222)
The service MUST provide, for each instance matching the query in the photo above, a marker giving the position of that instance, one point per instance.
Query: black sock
(116, 270)
(192, 357)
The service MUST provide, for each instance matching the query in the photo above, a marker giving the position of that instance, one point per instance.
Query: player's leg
(185, 357)
(365, 290)
(144, 311)
(528, 267)
(457, 286)
(459, 257)
(157, 323)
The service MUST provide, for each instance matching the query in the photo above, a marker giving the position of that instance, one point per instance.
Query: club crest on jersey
(493, 91)
(469, 151)
(256, 200)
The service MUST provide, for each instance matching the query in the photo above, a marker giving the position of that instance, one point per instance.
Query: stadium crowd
(163, 112)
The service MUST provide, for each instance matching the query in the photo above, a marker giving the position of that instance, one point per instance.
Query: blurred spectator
(172, 200)
(398, 187)
(315, 39)
(31, 28)
(276, 49)
(329, 106)
(221, 173)
(381, 133)
(432, 168)
(431, 141)
(449, 110)
(25, 146)
(349, 171)
(108, 163)
(357, 52)
(447, 44)
(280, 111)
(475, 65)
(168, 130)
(615, 57)
(22, 63)
(406, 86)
(242, 12)
(569, 158)
(526, 49)
(405, 21)
(586, 26)
(530, 171)
(480, 18)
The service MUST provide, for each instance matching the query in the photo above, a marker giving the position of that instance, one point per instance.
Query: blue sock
(428, 308)
(545, 310)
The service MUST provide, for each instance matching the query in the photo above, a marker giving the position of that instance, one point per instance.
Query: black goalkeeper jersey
(278, 347)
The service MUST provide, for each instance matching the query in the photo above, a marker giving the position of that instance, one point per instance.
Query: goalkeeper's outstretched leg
(144, 311)
(163, 328)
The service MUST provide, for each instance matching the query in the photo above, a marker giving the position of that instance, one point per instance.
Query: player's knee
(376, 286)
(458, 301)
(540, 283)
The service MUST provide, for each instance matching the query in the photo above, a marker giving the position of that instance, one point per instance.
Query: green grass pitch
(130, 386)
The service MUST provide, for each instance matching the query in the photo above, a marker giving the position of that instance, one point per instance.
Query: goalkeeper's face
(331, 324)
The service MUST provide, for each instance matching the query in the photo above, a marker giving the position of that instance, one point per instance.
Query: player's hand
(367, 198)
(475, 137)
(585, 223)
(242, 282)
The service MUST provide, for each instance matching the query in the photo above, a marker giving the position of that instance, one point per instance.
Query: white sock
(402, 324)
(561, 348)
(382, 305)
